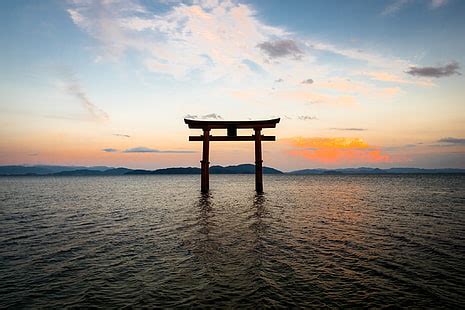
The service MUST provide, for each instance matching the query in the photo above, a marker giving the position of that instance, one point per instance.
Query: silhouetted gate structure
(231, 127)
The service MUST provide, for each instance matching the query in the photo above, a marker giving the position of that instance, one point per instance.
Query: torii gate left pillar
(231, 127)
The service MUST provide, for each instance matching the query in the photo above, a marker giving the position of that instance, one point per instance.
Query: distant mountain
(101, 170)
(238, 169)
(81, 172)
(366, 170)
(44, 169)
(117, 171)
(241, 169)
(176, 170)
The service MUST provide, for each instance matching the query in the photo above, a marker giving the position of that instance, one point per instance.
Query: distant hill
(176, 170)
(365, 170)
(79, 172)
(97, 171)
(241, 169)
(43, 170)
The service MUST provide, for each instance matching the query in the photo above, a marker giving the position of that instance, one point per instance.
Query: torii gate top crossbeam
(203, 124)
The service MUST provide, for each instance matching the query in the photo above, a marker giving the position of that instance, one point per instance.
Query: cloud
(348, 86)
(206, 41)
(340, 143)
(437, 72)
(336, 150)
(342, 156)
(73, 87)
(375, 59)
(349, 129)
(350, 91)
(392, 78)
(316, 98)
(460, 141)
(211, 39)
(212, 116)
(121, 135)
(206, 116)
(306, 118)
(142, 149)
(307, 81)
(110, 150)
(438, 3)
(395, 6)
(281, 48)
(398, 5)
(33, 154)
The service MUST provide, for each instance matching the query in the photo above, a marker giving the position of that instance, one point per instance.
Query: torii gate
(232, 127)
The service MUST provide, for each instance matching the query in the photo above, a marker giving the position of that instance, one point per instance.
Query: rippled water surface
(309, 241)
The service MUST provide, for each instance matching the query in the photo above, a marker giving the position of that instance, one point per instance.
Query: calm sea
(308, 241)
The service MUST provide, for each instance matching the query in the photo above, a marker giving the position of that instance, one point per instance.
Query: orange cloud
(387, 77)
(336, 150)
(327, 142)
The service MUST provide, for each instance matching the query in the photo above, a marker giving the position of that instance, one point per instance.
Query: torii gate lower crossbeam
(231, 127)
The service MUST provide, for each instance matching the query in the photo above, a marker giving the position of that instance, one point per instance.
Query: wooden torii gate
(231, 127)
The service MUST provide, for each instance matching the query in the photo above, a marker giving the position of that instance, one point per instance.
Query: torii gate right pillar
(204, 164)
(258, 161)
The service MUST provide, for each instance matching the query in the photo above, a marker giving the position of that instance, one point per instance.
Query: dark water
(309, 241)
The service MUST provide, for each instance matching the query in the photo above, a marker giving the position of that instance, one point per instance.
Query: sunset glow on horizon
(110, 82)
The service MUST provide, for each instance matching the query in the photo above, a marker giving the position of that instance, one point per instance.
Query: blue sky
(384, 83)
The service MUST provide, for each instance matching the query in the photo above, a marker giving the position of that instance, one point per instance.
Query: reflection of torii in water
(232, 127)
(224, 258)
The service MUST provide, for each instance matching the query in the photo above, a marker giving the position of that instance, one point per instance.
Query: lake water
(308, 241)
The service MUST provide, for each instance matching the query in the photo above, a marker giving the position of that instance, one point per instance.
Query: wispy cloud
(307, 118)
(281, 48)
(73, 87)
(110, 150)
(460, 141)
(121, 135)
(317, 98)
(395, 6)
(279, 80)
(349, 129)
(205, 37)
(206, 116)
(142, 149)
(370, 58)
(436, 72)
(438, 3)
(394, 78)
(307, 81)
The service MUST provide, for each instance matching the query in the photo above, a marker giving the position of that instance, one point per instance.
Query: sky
(355, 83)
